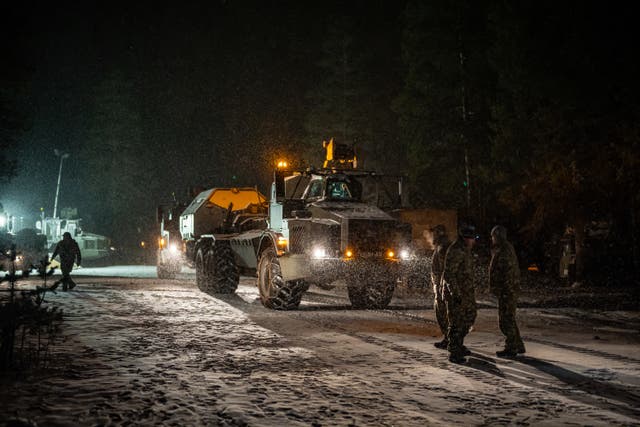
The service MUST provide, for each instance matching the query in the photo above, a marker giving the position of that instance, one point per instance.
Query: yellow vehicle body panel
(241, 198)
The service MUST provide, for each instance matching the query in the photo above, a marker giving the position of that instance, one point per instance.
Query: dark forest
(522, 113)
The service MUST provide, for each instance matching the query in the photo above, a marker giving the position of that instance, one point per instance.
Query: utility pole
(62, 157)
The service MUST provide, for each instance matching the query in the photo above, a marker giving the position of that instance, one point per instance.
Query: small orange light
(282, 164)
(533, 267)
(282, 241)
(348, 253)
(142, 244)
(390, 254)
(161, 242)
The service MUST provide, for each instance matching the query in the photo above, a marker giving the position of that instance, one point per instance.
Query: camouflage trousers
(460, 315)
(507, 320)
(66, 280)
(440, 307)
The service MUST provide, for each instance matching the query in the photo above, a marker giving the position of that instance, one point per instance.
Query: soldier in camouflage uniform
(504, 283)
(69, 253)
(441, 243)
(459, 293)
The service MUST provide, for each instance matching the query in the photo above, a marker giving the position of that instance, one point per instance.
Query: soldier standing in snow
(441, 243)
(504, 283)
(459, 292)
(69, 251)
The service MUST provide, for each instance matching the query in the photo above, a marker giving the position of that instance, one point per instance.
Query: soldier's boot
(466, 351)
(514, 345)
(72, 284)
(441, 344)
(65, 282)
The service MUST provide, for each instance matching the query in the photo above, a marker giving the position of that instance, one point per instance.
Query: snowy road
(145, 351)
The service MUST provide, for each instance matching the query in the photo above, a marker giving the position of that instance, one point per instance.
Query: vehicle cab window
(338, 190)
(314, 190)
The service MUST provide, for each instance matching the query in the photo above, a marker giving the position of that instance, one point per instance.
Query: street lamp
(62, 157)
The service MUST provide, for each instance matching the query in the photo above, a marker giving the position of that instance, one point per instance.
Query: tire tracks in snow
(591, 396)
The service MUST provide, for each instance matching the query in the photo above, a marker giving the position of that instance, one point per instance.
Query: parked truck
(170, 253)
(318, 226)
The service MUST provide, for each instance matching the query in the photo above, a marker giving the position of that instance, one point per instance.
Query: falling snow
(138, 350)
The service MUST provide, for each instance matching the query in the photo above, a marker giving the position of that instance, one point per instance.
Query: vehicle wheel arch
(267, 240)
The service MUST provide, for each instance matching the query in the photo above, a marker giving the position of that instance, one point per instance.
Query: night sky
(193, 85)
(154, 101)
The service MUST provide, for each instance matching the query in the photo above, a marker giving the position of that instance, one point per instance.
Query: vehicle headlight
(173, 248)
(405, 254)
(319, 252)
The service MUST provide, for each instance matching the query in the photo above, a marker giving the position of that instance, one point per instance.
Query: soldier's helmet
(499, 232)
(66, 235)
(439, 232)
(467, 231)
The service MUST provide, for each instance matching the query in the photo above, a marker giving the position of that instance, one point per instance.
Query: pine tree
(334, 102)
(443, 107)
(118, 177)
(563, 119)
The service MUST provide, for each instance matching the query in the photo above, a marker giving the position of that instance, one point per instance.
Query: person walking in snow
(504, 283)
(441, 243)
(459, 292)
(69, 253)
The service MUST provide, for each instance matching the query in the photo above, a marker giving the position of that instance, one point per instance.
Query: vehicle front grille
(296, 239)
(370, 236)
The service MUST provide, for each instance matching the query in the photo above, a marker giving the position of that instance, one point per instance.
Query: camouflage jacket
(458, 273)
(68, 251)
(504, 271)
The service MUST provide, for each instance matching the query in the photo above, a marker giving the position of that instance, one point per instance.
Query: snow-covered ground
(140, 351)
(139, 271)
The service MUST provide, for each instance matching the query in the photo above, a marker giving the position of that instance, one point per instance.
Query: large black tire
(370, 295)
(417, 281)
(219, 272)
(201, 273)
(275, 293)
